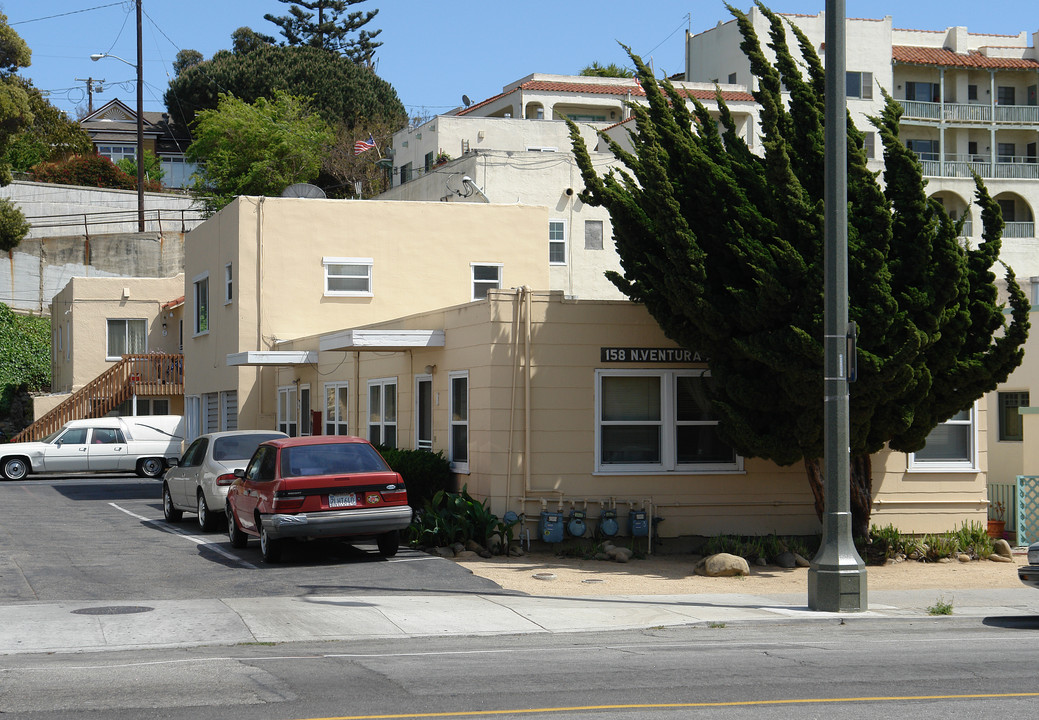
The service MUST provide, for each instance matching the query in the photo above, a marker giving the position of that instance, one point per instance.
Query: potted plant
(441, 158)
(996, 524)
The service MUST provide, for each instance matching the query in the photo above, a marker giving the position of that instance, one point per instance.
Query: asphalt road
(861, 669)
(103, 537)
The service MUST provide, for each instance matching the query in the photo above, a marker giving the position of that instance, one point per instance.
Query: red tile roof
(912, 55)
(616, 90)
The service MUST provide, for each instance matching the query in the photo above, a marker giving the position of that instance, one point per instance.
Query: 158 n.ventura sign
(649, 355)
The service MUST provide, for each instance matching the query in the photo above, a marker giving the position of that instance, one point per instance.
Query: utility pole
(93, 86)
(140, 123)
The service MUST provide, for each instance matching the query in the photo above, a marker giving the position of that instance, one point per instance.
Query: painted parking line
(211, 544)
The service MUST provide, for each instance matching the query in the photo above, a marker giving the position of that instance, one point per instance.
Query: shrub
(453, 517)
(88, 171)
(425, 473)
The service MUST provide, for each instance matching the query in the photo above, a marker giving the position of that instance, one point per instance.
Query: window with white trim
(424, 412)
(126, 337)
(654, 421)
(337, 403)
(485, 276)
(305, 419)
(201, 309)
(287, 422)
(951, 445)
(228, 284)
(859, 85)
(557, 242)
(115, 153)
(382, 412)
(458, 452)
(348, 277)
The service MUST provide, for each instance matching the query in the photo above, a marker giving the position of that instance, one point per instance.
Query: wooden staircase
(153, 374)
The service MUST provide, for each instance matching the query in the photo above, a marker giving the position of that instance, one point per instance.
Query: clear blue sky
(433, 51)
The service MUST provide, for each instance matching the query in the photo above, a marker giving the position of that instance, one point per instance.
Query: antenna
(466, 101)
(302, 190)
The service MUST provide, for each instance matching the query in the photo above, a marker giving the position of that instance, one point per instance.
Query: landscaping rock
(1002, 548)
(801, 561)
(467, 555)
(621, 555)
(516, 551)
(494, 543)
(963, 557)
(458, 547)
(786, 560)
(444, 552)
(722, 565)
(1000, 558)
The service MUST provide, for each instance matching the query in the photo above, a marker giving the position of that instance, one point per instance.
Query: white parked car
(198, 482)
(1029, 574)
(144, 444)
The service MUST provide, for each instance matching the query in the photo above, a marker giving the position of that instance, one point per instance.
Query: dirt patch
(545, 574)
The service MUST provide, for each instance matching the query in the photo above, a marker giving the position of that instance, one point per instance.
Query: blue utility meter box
(550, 527)
(638, 523)
(608, 523)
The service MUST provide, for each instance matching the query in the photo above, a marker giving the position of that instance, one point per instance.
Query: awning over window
(381, 340)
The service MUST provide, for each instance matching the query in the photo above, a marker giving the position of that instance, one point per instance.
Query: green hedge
(25, 351)
(425, 473)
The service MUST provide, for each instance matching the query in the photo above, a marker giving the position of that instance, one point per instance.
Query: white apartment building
(515, 148)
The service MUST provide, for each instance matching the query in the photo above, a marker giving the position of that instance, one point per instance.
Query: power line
(71, 12)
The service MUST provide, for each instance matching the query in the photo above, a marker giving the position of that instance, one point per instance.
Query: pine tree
(330, 29)
(725, 249)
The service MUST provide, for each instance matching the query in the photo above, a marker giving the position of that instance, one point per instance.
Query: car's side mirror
(239, 473)
(173, 462)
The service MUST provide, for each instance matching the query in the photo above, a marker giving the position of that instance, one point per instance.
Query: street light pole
(139, 67)
(837, 577)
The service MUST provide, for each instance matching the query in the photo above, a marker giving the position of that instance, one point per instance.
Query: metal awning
(382, 340)
(256, 358)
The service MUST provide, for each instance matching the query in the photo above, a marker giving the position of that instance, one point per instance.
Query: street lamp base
(837, 589)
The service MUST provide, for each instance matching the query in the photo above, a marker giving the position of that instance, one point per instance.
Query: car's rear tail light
(287, 504)
(225, 479)
(397, 494)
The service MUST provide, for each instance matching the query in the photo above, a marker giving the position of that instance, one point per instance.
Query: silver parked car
(198, 482)
(1029, 574)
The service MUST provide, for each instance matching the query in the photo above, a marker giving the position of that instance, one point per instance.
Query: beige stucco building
(265, 270)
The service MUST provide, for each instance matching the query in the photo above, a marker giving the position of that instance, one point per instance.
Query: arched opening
(1018, 218)
(956, 207)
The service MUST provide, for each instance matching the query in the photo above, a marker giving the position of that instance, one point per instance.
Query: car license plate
(347, 500)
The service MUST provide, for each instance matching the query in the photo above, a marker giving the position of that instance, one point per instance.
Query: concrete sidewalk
(98, 626)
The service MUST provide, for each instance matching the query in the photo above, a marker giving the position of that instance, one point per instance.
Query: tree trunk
(861, 470)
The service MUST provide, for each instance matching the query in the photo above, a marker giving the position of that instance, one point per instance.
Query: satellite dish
(302, 190)
(466, 101)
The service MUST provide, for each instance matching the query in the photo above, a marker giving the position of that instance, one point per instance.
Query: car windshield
(50, 438)
(239, 447)
(331, 459)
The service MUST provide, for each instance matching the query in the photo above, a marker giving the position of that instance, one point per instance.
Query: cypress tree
(725, 249)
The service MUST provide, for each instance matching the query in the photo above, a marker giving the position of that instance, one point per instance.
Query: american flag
(364, 145)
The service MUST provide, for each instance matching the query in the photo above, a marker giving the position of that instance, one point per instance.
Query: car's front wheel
(269, 547)
(15, 468)
(206, 519)
(171, 513)
(150, 467)
(234, 533)
(389, 543)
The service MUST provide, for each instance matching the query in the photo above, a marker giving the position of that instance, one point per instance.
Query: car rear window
(239, 447)
(331, 459)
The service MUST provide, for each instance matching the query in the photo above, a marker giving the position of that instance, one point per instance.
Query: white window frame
(228, 284)
(126, 335)
(865, 84)
(915, 464)
(339, 425)
(1009, 402)
(668, 424)
(555, 242)
(420, 442)
(367, 262)
(306, 427)
(377, 417)
(196, 316)
(192, 417)
(488, 284)
(458, 466)
(288, 410)
(228, 419)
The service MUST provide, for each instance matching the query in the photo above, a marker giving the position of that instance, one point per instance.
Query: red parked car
(316, 487)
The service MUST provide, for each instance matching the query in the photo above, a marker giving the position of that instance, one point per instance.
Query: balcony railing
(971, 113)
(1019, 230)
(1006, 167)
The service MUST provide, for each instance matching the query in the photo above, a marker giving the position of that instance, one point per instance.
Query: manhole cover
(591, 581)
(544, 576)
(114, 610)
